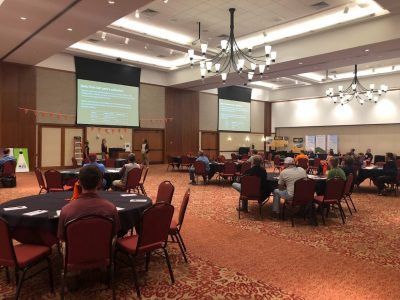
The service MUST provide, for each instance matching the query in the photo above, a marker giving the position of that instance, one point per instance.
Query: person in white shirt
(254, 153)
(120, 184)
(145, 153)
(286, 181)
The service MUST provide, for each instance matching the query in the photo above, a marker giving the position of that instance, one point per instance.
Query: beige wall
(380, 138)
(257, 116)
(55, 92)
(152, 105)
(237, 140)
(51, 147)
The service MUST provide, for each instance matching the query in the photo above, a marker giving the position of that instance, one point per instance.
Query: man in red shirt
(89, 202)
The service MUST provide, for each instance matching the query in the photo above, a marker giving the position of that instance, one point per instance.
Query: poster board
(310, 143)
(332, 143)
(22, 158)
(298, 144)
(320, 144)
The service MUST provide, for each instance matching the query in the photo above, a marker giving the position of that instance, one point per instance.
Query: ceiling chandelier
(233, 59)
(356, 91)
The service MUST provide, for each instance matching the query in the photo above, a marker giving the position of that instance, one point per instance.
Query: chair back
(250, 187)
(88, 242)
(229, 167)
(109, 163)
(277, 160)
(349, 183)
(245, 166)
(199, 168)
(269, 156)
(234, 156)
(316, 162)
(154, 227)
(165, 192)
(334, 189)
(144, 173)
(9, 168)
(302, 163)
(53, 179)
(74, 163)
(304, 190)
(133, 178)
(183, 207)
(221, 159)
(7, 254)
(40, 179)
(245, 157)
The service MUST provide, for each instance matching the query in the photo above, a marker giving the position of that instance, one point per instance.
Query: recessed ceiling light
(126, 41)
(23, 18)
(137, 14)
(69, 29)
(300, 63)
(111, 2)
(165, 1)
(366, 50)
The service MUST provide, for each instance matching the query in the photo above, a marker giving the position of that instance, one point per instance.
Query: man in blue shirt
(93, 162)
(6, 157)
(205, 160)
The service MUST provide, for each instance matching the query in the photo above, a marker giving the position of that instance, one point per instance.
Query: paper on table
(138, 200)
(14, 208)
(120, 208)
(58, 213)
(35, 212)
(128, 195)
(113, 171)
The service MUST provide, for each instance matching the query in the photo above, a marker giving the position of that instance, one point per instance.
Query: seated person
(301, 155)
(330, 154)
(254, 153)
(334, 170)
(286, 181)
(311, 154)
(347, 165)
(388, 175)
(88, 202)
(259, 171)
(120, 184)
(205, 160)
(368, 155)
(101, 167)
(6, 157)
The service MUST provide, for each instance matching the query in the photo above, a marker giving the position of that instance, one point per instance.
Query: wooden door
(155, 137)
(209, 143)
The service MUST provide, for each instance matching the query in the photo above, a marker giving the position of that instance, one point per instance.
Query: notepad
(35, 212)
(138, 200)
(14, 208)
(120, 208)
(128, 195)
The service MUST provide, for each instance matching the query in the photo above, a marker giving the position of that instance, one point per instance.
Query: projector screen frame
(110, 79)
(236, 131)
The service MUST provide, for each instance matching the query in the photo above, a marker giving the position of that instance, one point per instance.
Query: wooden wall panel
(182, 133)
(18, 89)
(155, 137)
(267, 119)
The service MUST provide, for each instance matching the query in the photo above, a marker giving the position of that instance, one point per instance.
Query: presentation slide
(234, 115)
(108, 104)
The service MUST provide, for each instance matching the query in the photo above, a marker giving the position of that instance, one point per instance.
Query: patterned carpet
(365, 247)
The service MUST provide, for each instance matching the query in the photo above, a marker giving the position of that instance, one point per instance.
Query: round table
(42, 228)
(110, 175)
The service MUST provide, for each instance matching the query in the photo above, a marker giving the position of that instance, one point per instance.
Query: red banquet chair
(200, 170)
(153, 235)
(133, 179)
(142, 181)
(304, 190)
(243, 168)
(54, 182)
(347, 193)
(250, 190)
(278, 165)
(333, 196)
(7, 176)
(22, 257)
(176, 224)
(40, 180)
(109, 163)
(229, 171)
(89, 245)
(165, 192)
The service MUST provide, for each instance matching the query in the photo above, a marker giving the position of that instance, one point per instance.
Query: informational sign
(21, 156)
(332, 143)
(280, 142)
(320, 144)
(310, 143)
(128, 147)
(298, 145)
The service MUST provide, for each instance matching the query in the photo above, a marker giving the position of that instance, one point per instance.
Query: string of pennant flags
(60, 116)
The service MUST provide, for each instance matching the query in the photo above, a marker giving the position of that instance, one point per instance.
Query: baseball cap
(289, 161)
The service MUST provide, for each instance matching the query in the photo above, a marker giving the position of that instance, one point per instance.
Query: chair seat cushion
(320, 200)
(27, 254)
(129, 245)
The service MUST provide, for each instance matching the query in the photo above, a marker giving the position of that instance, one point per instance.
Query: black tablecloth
(25, 228)
(216, 167)
(110, 175)
(365, 173)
